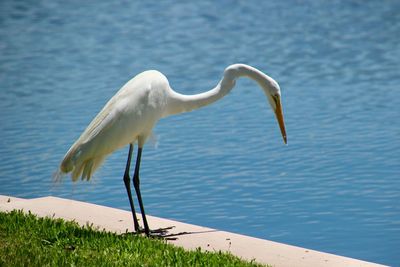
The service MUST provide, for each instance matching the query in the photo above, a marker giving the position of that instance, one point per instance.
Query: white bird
(130, 115)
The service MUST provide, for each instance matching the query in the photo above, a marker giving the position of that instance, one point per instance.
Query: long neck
(179, 103)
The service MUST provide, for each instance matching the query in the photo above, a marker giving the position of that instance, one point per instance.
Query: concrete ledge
(187, 235)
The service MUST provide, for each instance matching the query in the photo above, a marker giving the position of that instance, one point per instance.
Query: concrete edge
(187, 236)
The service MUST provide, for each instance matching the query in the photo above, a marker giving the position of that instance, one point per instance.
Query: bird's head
(270, 87)
(273, 92)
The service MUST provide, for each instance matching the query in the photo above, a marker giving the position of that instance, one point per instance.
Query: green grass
(26, 240)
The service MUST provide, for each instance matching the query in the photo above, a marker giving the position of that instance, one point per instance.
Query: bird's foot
(160, 233)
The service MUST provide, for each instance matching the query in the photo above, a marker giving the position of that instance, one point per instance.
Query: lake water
(335, 187)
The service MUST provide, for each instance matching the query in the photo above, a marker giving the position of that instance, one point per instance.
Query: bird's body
(130, 115)
(127, 117)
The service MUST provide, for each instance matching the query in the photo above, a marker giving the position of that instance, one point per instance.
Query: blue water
(334, 188)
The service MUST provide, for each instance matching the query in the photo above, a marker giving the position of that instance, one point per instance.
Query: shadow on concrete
(163, 233)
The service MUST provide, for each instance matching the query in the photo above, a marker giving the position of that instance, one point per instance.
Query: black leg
(127, 181)
(136, 183)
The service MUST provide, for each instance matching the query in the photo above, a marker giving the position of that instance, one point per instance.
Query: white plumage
(128, 116)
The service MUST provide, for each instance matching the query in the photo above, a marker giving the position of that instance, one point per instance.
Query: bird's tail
(78, 164)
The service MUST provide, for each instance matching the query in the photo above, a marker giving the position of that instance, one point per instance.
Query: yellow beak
(279, 117)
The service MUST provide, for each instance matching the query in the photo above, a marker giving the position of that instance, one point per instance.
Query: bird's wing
(103, 121)
(101, 137)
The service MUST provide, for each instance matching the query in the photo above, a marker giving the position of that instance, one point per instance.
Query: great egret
(130, 115)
